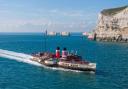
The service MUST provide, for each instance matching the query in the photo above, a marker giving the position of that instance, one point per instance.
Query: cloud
(34, 20)
(68, 13)
(53, 11)
(38, 26)
(34, 27)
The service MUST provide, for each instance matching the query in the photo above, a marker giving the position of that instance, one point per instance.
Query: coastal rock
(112, 25)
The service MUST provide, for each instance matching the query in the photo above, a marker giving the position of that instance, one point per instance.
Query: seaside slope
(112, 25)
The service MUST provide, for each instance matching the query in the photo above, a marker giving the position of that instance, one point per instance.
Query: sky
(53, 15)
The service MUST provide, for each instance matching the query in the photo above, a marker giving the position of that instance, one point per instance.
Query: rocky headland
(112, 25)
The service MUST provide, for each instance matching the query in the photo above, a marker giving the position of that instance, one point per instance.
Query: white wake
(22, 57)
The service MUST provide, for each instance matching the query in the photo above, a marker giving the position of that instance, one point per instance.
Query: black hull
(67, 67)
(79, 69)
(71, 68)
(55, 65)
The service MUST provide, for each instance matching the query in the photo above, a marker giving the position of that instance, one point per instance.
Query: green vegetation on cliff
(113, 11)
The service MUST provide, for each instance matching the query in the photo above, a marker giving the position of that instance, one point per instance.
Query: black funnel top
(64, 49)
(58, 48)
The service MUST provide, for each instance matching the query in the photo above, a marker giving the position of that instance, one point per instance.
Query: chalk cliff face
(113, 25)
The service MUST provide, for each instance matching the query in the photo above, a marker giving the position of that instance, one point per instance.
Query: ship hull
(77, 66)
(79, 69)
(71, 66)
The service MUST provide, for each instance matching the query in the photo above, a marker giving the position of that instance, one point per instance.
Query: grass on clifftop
(113, 11)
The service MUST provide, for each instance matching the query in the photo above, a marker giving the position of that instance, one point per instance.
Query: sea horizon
(63, 44)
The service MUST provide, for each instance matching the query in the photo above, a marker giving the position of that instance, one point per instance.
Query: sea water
(111, 59)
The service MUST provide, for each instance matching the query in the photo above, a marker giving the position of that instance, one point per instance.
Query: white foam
(21, 57)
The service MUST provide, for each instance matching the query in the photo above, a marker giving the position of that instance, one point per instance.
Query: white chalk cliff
(113, 24)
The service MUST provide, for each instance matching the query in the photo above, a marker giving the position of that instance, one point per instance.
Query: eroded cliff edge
(112, 25)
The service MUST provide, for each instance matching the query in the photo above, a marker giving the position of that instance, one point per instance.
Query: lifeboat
(51, 62)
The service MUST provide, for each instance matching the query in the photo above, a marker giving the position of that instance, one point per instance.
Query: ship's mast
(45, 38)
